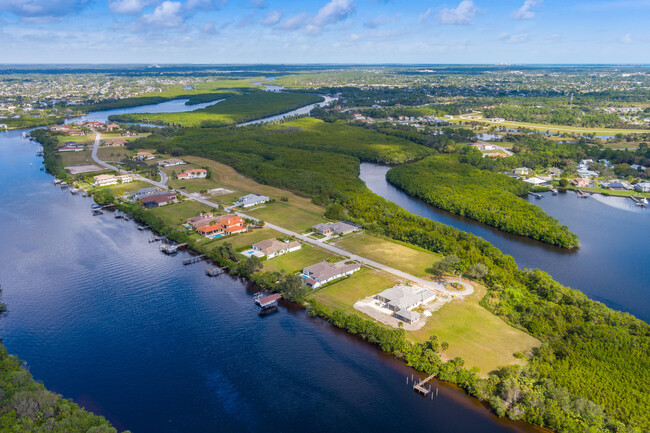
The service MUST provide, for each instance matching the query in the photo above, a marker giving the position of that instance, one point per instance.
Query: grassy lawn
(561, 128)
(286, 215)
(247, 239)
(174, 213)
(74, 158)
(344, 293)
(294, 262)
(482, 339)
(80, 139)
(112, 153)
(393, 254)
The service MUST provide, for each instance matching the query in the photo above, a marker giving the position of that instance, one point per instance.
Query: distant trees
(446, 265)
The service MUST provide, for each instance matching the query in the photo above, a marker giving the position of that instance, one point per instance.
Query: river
(612, 264)
(102, 317)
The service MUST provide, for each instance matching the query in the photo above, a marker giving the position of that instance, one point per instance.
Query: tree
(445, 265)
(564, 183)
(251, 265)
(293, 288)
(335, 211)
(478, 271)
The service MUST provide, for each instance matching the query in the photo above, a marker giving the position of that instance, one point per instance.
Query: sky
(324, 31)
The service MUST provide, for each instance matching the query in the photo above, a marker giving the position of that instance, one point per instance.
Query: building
(71, 147)
(171, 162)
(201, 220)
(402, 299)
(104, 180)
(159, 199)
(144, 192)
(144, 156)
(642, 187)
(112, 127)
(536, 181)
(251, 200)
(484, 146)
(339, 228)
(115, 142)
(522, 171)
(273, 247)
(553, 171)
(619, 186)
(324, 272)
(193, 173)
(581, 182)
(224, 225)
(124, 178)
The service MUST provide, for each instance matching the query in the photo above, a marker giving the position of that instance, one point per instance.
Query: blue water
(102, 317)
(612, 264)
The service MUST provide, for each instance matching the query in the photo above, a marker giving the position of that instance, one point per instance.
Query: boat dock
(196, 259)
(536, 195)
(642, 201)
(155, 238)
(269, 301)
(171, 249)
(581, 194)
(419, 387)
(213, 272)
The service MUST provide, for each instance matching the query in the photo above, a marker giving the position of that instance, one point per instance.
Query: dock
(171, 249)
(581, 194)
(196, 259)
(419, 387)
(643, 202)
(269, 301)
(537, 196)
(213, 272)
(155, 238)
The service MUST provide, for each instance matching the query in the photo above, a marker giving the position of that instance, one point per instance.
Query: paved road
(429, 284)
(163, 177)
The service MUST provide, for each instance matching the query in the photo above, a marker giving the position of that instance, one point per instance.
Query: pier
(213, 272)
(419, 387)
(196, 259)
(536, 195)
(581, 194)
(171, 249)
(642, 201)
(155, 238)
(267, 301)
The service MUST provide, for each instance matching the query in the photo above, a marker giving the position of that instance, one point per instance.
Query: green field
(559, 128)
(344, 293)
(479, 337)
(247, 239)
(391, 253)
(176, 213)
(286, 215)
(112, 153)
(80, 139)
(235, 109)
(74, 158)
(294, 262)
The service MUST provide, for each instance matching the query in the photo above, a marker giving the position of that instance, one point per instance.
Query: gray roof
(324, 270)
(410, 316)
(405, 297)
(251, 198)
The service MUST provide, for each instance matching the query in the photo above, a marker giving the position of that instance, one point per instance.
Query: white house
(642, 186)
(273, 247)
(194, 173)
(324, 272)
(251, 200)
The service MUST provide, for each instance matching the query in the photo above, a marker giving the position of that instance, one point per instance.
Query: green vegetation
(583, 117)
(321, 160)
(491, 198)
(286, 215)
(398, 255)
(31, 122)
(236, 109)
(294, 262)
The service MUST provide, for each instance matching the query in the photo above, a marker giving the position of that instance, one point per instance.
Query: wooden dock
(581, 194)
(196, 259)
(171, 249)
(213, 272)
(419, 387)
(269, 301)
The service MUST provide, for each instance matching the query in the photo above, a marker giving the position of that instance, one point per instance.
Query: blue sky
(324, 31)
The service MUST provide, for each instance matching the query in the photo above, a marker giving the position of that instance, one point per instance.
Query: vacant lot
(244, 240)
(344, 293)
(112, 153)
(286, 215)
(178, 212)
(74, 158)
(297, 260)
(479, 337)
(393, 254)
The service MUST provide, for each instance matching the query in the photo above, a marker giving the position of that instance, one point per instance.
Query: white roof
(535, 181)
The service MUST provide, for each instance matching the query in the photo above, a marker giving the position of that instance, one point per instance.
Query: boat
(74, 191)
(97, 212)
(40, 153)
(119, 214)
(95, 206)
(42, 168)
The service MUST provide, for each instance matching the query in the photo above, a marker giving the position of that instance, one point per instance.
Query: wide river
(102, 317)
(612, 264)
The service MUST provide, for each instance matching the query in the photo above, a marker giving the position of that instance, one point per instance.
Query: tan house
(273, 247)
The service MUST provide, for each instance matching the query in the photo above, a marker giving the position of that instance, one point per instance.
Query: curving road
(432, 285)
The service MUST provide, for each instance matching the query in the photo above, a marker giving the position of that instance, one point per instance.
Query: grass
(479, 337)
(174, 213)
(79, 139)
(560, 128)
(112, 153)
(294, 262)
(344, 293)
(287, 216)
(235, 109)
(396, 255)
(74, 158)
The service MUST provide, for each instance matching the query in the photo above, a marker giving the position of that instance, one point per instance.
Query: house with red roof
(193, 173)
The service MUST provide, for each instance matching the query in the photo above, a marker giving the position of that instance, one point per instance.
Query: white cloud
(41, 8)
(272, 18)
(526, 11)
(194, 5)
(425, 15)
(627, 38)
(514, 38)
(295, 22)
(128, 7)
(333, 12)
(166, 14)
(463, 14)
(382, 20)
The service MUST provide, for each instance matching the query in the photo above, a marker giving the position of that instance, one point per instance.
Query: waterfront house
(619, 186)
(112, 127)
(325, 272)
(201, 220)
(251, 200)
(194, 173)
(210, 230)
(157, 200)
(522, 171)
(586, 173)
(71, 147)
(144, 192)
(104, 180)
(232, 224)
(581, 182)
(273, 247)
(642, 187)
(402, 299)
(536, 181)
